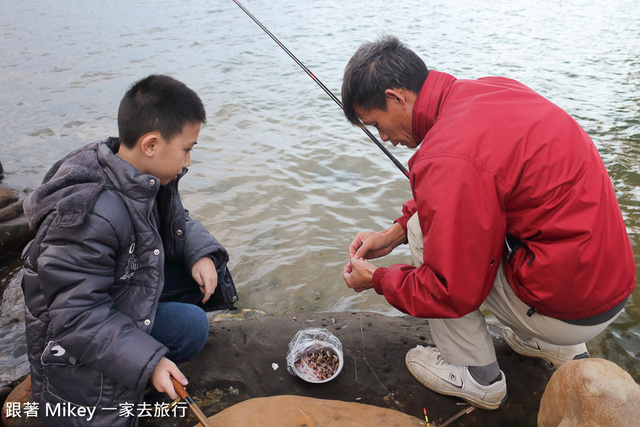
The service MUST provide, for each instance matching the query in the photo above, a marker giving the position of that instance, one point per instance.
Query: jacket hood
(71, 187)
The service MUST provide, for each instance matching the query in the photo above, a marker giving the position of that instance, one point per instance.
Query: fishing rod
(327, 91)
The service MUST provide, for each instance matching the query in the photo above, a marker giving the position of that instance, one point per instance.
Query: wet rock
(20, 394)
(590, 392)
(7, 197)
(4, 393)
(13, 345)
(246, 359)
(14, 228)
(281, 411)
(14, 210)
(1, 171)
(14, 235)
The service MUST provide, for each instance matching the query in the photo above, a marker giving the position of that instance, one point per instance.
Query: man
(512, 208)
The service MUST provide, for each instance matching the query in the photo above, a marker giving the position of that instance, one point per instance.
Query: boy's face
(174, 155)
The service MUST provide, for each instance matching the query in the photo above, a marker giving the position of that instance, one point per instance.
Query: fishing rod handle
(179, 388)
(182, 392)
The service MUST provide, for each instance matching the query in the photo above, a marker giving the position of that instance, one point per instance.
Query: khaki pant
(466, 341)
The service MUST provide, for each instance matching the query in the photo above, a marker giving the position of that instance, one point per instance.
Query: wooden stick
(458, 415)
(182, 392)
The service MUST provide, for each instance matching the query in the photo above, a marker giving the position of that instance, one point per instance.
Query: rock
(5, 391)
(237, 365)
(19, 395)
(1, 171)
(7, 196)
(14, 235)
(590, 392)
(14, 210)
(294, 411)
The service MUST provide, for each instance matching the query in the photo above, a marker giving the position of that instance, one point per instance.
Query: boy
(109, 303)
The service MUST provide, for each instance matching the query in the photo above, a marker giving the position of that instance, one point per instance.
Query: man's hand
(205, 274)
(161, 377)
(358, 274)
(371, 244)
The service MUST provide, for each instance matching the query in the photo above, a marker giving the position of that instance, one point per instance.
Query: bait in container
(315, 355)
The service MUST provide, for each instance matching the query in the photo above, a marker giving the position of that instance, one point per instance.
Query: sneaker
(427, 366)
(554, 355)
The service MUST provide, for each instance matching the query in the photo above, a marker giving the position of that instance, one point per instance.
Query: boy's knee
(198, 325)
(183, 328)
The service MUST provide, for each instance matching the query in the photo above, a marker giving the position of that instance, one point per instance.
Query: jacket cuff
(378, 275)
(403, 220)
(145, 376)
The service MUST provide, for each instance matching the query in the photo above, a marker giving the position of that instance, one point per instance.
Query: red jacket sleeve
(408, 209)
(463, 224)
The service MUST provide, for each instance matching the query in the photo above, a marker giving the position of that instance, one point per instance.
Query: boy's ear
(148, 144)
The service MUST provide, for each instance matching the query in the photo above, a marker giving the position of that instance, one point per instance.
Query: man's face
(174, 155)
(394, 124)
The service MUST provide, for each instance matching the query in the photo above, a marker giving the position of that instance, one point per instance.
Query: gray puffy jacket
(93, 276)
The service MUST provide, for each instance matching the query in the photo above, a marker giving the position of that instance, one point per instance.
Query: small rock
(12, 211)
(21, 394)
(14, 235)
(7, 196)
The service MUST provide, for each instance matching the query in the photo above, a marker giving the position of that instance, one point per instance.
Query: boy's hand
(161, 377)
(205, 274)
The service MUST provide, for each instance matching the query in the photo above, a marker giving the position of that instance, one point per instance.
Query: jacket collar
(429, 102)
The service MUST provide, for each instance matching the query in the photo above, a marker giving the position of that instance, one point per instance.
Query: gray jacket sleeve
(76, 271)
(200, 243)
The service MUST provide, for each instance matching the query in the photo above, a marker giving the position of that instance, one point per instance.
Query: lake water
(279, 176)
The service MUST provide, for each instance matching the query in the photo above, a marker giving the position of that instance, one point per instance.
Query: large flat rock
(237, 364)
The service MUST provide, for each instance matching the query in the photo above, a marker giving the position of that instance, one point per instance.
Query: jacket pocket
(65, 380)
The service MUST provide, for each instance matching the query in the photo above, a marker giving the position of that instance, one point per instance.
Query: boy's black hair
(158, 103)
(375, 67)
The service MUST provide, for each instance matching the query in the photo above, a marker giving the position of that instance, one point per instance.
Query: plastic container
(315, 355)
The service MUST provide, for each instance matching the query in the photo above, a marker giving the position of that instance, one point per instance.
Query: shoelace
(440, 360)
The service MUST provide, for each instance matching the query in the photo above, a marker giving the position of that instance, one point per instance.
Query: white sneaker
(427, 366)
(555, 355)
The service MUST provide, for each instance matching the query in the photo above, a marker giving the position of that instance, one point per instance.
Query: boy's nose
(187, 161)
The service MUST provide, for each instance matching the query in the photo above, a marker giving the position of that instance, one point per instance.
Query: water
(279, 176)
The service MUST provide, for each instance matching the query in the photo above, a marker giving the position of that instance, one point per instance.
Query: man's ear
(396, 94)
(403, 97)
(148, 144)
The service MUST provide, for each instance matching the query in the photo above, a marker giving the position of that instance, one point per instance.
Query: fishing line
(327, 91)
(364, 356)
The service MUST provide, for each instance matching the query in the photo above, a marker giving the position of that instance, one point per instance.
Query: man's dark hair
(375, 67)
(157, 103)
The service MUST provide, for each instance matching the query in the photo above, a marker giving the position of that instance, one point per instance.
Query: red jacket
(498, 158)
